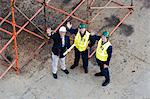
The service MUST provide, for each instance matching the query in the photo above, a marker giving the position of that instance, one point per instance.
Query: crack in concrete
(40, 78)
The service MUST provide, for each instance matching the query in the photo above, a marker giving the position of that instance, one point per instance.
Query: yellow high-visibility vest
(101, 51)
(81, 43)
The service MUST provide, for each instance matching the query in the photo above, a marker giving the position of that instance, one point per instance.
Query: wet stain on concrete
(112, 21)
(146, 4)
(127, 30)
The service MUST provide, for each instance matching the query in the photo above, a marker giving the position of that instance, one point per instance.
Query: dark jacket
(57, 48)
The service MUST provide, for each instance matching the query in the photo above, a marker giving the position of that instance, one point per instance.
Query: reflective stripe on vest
(101, 51)
(81, 43)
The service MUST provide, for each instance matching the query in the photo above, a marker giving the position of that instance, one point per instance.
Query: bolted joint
(43, 3)
(131, 9)
(12, 3)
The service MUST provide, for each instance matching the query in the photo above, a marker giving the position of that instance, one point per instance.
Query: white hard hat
(62, 29)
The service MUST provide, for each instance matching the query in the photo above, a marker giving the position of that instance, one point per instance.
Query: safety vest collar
(81, 43)
(101, 51)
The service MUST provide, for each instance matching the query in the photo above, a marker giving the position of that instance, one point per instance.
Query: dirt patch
(127, 30)
(112, 21)
(66, 1)
(146, 4)
(4, 7)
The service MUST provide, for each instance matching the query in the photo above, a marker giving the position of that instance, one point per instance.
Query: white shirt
(63, 41)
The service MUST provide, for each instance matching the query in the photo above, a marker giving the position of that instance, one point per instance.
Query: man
(81, 41)
(103, 56)
(61, 43)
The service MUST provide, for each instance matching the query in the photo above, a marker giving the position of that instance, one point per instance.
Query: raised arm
(68, 42)
(50, 33)
(70, 29)
(93, 38)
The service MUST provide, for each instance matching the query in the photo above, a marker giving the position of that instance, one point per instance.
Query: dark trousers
(104, 71)
(84, 55)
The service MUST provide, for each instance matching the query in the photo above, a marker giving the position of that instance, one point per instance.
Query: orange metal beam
(69, 15)
(92, 2)
(23, 29)
(100, 12)
(62, 11)
(121, 22)
(5, 46)
(33, 54)
(5, 31)
(3, 74)
(117, 3)
(114, 29)
(31, 18)
(7, 61)
(15, 35)
(113, 7)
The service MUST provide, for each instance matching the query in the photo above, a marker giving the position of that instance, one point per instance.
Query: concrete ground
(129, 69)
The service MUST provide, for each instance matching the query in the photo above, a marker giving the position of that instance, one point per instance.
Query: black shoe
(55, 76)
(99, 74)
(86, 71)
(105, 83)
(65, 71)
(73, 66)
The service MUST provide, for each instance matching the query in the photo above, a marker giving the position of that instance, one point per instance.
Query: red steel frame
(130, 8)
(68, 15)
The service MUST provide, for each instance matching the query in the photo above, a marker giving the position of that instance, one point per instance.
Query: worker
(81, 41)
(61, 43)
(103, 56)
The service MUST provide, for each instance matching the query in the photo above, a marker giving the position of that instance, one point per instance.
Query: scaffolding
(46, 6)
